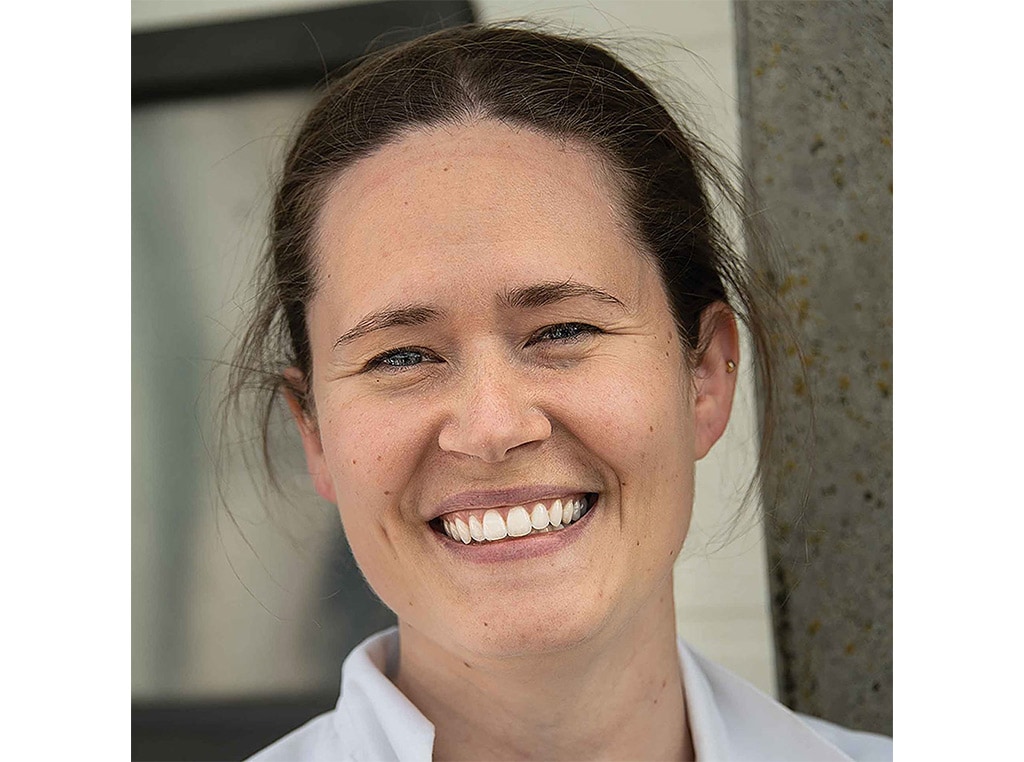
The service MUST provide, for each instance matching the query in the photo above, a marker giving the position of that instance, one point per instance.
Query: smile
(495, 524)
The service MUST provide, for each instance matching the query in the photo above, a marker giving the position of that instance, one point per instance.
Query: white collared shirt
(729, 719)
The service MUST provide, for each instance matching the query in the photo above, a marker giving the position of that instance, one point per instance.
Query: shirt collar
(731, 719)
(373, 712)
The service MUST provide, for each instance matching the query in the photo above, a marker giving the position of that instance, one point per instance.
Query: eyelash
(578, 331)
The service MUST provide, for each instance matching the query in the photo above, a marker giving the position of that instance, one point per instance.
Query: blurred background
(240, 623)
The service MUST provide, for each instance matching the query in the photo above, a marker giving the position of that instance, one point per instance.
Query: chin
(564, 615)
(517, 633)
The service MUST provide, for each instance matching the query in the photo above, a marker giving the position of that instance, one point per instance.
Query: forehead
(472, 203)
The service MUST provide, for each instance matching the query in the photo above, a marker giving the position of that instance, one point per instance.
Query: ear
(715, 376)
(293, 389)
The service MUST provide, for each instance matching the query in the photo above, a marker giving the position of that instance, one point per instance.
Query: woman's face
(487, 338)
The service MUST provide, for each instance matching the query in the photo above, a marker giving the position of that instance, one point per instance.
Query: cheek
(640, 420)
(372, 448)
(640, 425)
(368, 445)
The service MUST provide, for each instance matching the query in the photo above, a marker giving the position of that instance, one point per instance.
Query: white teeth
(494, 526)
(555, 514)
(518, 522)
(476, 529)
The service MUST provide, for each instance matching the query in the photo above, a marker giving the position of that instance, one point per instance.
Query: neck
(617, 696)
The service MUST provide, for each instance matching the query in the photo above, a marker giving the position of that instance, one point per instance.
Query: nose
(493, 414)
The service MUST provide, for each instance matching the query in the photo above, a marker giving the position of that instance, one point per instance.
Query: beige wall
(722, 598)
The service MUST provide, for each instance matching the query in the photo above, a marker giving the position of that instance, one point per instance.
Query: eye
(398, 359)
(563, 333)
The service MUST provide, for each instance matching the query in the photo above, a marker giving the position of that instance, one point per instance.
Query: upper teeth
(518, 522)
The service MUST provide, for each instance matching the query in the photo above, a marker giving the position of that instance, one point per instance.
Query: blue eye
(397, 359)
(563, 332)
(402, 359)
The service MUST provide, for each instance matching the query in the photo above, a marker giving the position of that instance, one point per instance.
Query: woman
(503, 316)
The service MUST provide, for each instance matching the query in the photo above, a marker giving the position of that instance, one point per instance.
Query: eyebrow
(551, 292)
(389, 317)
(523, 297)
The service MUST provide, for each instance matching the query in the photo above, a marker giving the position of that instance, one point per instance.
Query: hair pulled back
(563, 87)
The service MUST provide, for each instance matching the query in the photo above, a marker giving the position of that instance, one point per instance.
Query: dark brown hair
(563, 87)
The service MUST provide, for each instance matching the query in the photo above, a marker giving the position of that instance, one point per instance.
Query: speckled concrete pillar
(816, 114)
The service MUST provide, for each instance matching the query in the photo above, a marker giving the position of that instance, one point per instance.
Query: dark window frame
(276, 52)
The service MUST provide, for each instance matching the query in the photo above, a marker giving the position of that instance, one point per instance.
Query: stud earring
(730, 366)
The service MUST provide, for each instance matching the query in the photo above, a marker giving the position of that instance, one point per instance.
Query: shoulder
(857, 744)
(318, 739)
